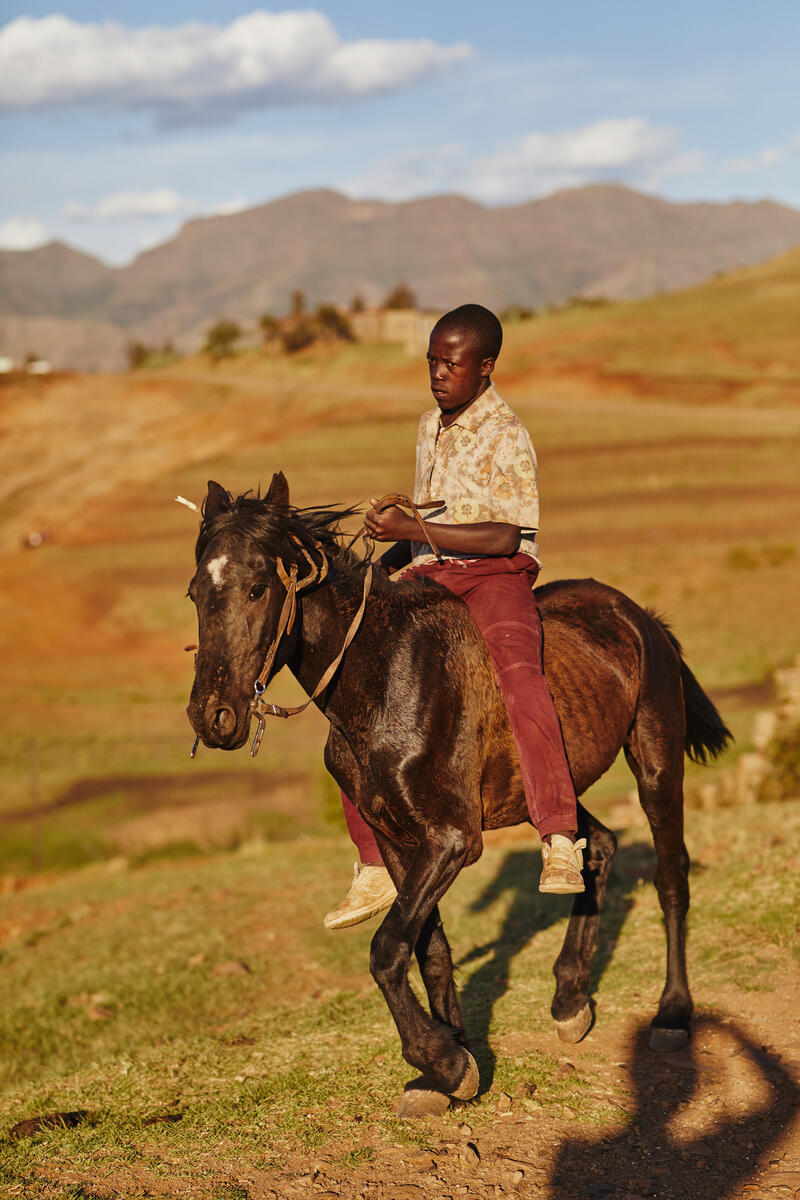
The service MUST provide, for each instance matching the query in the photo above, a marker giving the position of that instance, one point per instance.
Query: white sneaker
(562, 863)
(370, 892)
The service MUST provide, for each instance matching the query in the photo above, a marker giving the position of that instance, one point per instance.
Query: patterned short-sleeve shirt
(483, 467)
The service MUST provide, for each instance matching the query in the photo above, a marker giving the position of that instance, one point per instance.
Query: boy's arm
(482, 537)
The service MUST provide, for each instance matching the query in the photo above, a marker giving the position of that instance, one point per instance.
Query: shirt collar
(473, 417)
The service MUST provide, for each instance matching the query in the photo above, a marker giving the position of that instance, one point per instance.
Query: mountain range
(601, 240)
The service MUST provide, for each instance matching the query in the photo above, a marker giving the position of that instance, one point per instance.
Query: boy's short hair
(481, 325)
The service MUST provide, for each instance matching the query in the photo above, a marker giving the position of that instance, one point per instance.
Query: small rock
(465, 1130)
(529, 1089)
(420, 1102)
(195, 960)
(503, 1103)
(517, 1178)
(565, 1068)
(471, 1154)
(231, 968)
(99, 1012)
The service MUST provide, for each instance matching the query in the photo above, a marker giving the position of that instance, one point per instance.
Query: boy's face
(458, 370)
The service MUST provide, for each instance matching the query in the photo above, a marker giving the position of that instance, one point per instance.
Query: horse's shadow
(651, 1156)
(530, 913)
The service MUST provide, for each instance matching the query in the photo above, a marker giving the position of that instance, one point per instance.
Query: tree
(221, 338)
(270, 328)
(331, 321)
(298, 335)
(401, 296)
(137, 354)
(298, 306)
(357, 304)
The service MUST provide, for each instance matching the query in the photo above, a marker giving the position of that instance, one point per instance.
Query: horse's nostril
(224, 720)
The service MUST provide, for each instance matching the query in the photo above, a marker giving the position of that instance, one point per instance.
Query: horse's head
(239, 597)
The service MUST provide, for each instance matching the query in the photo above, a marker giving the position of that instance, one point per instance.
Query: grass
(298, 1056)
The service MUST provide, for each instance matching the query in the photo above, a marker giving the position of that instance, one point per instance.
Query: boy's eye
(257, 591)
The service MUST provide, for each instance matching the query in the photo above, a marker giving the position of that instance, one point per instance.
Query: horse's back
(598, 651)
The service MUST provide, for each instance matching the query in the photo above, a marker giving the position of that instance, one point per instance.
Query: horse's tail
(707, 735)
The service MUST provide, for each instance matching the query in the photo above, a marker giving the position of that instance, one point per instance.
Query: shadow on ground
(530, 913)
(659, 1152)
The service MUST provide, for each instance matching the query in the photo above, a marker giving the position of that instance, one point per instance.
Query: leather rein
(261, 708)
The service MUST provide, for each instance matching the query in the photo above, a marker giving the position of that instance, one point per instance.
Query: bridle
(261, 708)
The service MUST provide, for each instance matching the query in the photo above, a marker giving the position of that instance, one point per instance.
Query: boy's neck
(449, 418)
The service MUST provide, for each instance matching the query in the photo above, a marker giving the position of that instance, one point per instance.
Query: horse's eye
(258, 591)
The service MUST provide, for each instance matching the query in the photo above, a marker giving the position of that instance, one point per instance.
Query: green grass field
(208, 992)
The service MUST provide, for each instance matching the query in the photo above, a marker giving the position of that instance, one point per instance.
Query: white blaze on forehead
(216, 567)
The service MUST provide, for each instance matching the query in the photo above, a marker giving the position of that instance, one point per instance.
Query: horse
(420, 741)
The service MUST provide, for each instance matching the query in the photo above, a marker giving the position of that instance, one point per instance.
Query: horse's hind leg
(571, 1009)
(659, 776)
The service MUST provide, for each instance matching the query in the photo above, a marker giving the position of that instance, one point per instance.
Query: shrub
(298, 335)
(270, 327)
(221, 339)
(331, 321)
(401, 296)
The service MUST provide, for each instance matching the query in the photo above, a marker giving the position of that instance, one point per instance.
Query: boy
(476, 455)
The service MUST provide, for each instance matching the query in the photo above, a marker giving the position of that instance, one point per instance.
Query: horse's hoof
(668, 1039)
(574, 1028)
(421, 1102)
(470, 1083)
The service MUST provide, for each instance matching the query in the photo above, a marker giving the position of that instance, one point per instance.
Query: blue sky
(121, 122)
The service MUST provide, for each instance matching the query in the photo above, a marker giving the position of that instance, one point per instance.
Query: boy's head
(477, 325)
(463, 347)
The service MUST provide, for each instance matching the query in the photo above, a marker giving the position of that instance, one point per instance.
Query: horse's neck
(325, 618)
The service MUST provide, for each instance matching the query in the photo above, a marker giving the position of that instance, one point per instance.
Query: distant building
(408, 326)
(39, 366)
(6, 364)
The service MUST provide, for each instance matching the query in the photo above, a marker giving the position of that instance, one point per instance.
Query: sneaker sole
(561, 889)
(357, 917)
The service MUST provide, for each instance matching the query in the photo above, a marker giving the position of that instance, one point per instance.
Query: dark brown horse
(420, 741)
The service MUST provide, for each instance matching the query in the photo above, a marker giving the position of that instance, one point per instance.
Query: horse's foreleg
(571, 1009)
(429, 1043)
(436, 967)
(661, 796)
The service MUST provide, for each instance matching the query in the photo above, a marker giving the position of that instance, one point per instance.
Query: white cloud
(150, 205)
(770, 156)
(122, 206)
(229, 207)
(200, 72)
(22, 233)
(626, 149)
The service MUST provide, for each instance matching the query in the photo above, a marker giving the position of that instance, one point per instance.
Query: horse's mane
(280, 530)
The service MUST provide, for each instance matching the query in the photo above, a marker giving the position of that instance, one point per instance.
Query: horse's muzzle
(218, 725)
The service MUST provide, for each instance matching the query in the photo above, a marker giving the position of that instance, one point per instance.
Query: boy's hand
(391, 525)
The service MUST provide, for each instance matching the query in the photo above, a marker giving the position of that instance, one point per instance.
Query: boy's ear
(278, 492)
(487, 366)
(217, 501)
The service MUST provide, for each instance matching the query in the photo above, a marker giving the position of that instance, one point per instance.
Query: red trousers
(499, 595)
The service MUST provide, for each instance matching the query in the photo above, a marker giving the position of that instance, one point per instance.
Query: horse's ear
(278, 492)
(217, 501)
